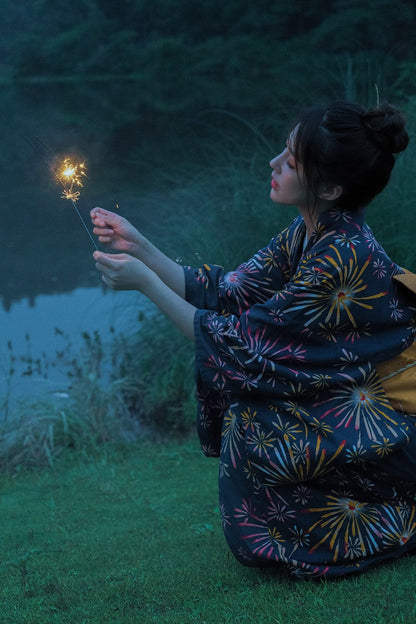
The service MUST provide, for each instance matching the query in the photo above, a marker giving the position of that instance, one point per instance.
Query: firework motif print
(317, 469)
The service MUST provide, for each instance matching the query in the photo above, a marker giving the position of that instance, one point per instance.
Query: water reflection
(48, 274)
(44, 247)
(34, 334)
(133, 149)
(127, 146)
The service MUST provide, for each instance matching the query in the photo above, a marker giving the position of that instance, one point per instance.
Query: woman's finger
(105, 217)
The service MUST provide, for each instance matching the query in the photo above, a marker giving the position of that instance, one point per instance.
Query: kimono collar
(336, 219)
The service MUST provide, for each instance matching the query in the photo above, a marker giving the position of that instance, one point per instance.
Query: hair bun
(387, 126)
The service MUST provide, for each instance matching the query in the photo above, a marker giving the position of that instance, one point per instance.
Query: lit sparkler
(68, 173)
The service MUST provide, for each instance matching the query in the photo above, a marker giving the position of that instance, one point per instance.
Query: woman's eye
(290, 165)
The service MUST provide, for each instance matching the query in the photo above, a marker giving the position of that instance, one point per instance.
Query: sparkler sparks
(69, 173)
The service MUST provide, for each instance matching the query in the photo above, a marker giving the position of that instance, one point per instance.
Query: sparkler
(69, 173)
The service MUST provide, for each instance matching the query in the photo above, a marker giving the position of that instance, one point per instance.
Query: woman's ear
(331, 192)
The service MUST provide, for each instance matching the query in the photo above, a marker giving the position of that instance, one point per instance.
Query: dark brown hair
(344, 144)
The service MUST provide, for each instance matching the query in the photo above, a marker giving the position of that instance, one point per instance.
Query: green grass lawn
(134, 536)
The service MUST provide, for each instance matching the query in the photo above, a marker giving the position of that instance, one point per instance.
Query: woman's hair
(345, 145)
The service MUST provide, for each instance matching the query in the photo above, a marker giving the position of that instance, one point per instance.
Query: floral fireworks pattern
(317, 468)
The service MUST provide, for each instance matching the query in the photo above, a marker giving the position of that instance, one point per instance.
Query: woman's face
(287, 178)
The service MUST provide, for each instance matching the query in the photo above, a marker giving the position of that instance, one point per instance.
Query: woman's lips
(275, 185)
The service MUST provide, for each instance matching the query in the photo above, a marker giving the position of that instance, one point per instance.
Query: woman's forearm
(125, 272)
(169, 271)
(120, 235)
(179, 311)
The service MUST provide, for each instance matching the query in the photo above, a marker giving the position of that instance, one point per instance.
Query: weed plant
(88, 414)
(158, 364)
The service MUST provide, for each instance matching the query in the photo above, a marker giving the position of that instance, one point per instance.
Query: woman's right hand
(121, 235)
(116, 232)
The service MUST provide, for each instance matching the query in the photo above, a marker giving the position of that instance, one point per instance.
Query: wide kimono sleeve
(316, 337)
(253, 282)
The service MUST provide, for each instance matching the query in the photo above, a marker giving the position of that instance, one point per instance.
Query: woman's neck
(311, 215)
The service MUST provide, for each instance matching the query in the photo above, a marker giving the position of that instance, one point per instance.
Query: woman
(298, 353)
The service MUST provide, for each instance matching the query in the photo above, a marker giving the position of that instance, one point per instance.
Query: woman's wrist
(145, 251)
(180, 312)
(150, 283)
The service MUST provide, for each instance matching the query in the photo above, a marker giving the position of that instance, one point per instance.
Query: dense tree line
(234, 53)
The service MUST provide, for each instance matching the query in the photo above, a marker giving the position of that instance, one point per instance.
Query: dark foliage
(184, 53)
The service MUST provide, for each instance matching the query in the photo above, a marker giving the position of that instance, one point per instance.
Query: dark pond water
(133, 149)
(50, 293)
(48, 279)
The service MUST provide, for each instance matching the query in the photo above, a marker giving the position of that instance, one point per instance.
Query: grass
(135, 537)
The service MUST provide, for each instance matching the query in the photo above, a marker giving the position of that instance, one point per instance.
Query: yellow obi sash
(398, 378)
(398, 375)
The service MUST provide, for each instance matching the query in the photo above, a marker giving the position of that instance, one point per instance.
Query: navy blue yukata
(317, 468)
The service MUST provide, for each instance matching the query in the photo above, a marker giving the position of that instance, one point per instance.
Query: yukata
(317, 467)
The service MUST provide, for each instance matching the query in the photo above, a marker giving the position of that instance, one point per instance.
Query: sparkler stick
(84, 224)
(67, 173)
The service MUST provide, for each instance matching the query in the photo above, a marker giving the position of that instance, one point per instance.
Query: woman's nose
(274, 163)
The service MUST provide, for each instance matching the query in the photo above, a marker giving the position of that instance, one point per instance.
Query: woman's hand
(116, 232)
(121, 235)
(123, 272)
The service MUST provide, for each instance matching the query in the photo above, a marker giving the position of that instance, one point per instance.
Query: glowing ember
(70, 176)
(68, 173)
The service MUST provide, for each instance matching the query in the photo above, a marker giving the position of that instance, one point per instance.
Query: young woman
(305, 364)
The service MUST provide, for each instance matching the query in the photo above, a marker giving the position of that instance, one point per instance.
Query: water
(34, 333)
(138, 153)
(48, 278)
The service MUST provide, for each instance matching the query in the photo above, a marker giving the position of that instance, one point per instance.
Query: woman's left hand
(123, 272)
